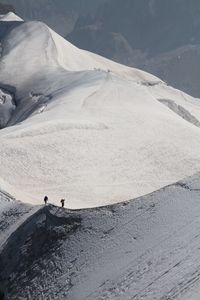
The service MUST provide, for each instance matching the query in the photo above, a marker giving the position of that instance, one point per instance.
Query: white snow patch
(10, 17)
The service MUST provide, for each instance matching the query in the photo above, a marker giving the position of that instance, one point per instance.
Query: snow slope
(143, 249)
(85, 128)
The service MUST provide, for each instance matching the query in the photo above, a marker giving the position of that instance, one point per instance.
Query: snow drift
(85, 128)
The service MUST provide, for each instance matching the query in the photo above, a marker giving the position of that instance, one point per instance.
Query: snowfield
(84, 128)
(146, 249)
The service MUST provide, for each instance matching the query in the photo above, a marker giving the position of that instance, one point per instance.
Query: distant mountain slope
(77, 125)
(179, 68)
(147, 29)
(154, 27)
(5, 8)
(61, 15)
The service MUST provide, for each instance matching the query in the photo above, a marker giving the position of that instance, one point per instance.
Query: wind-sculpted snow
(142, 249)
(86, 128)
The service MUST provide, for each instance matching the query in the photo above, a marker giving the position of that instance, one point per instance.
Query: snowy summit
(79, 126)
(10, 17)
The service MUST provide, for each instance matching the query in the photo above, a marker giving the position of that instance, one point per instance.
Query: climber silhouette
(45, 199)
(62, 202)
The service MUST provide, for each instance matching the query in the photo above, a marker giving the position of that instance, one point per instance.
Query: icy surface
(143, 249)
(85, 128)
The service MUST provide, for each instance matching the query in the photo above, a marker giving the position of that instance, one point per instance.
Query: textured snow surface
(88, 129)
(143, 249)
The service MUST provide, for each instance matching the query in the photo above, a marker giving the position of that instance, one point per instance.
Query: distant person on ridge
(62, 202)
(45, 199)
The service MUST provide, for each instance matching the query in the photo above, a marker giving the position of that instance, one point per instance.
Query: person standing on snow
(45, 199)
(62, 202)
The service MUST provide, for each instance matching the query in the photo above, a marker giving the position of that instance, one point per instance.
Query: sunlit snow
(86, 128)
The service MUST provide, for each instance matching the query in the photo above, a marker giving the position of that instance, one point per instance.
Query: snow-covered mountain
(79, 126)
(83, 127)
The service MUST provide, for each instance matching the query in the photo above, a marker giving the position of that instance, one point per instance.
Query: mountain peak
(82, 127)
(10, 16)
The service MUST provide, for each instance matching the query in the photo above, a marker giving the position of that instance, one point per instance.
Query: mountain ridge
(66, 110)
(105, 252)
